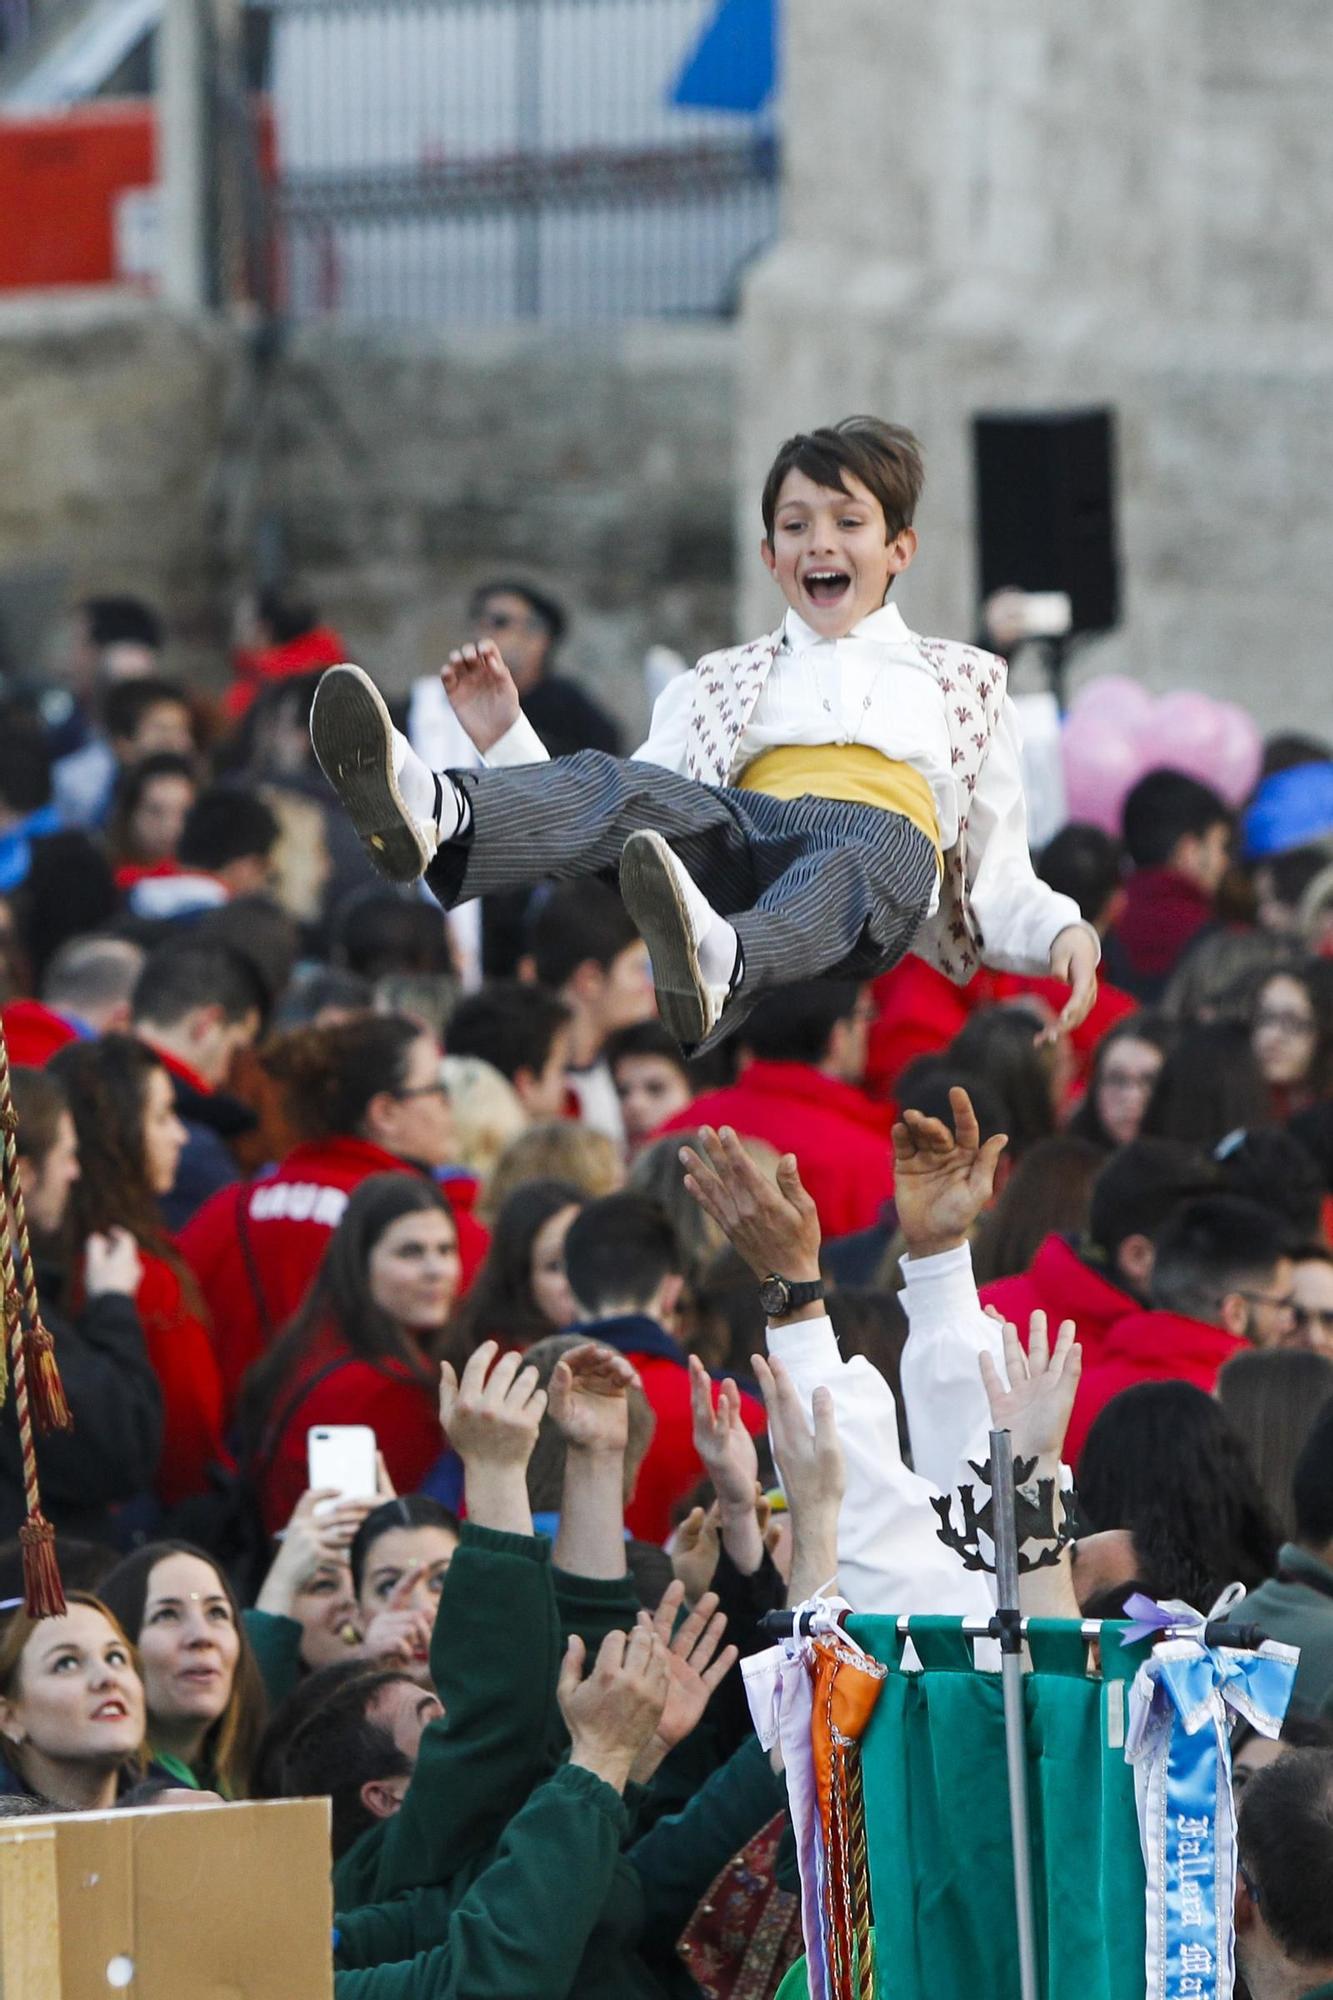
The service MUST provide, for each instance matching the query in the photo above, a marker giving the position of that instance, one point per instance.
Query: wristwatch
(780, 1296)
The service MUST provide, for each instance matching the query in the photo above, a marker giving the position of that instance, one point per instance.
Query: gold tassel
(49, 1405)
(43, 1593)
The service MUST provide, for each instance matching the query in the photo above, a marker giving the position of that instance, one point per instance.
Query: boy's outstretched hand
(1074, 959)
(942, 1180)
(481, 692)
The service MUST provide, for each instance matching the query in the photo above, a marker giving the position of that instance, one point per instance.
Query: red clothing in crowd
(840, 1138)
(402, 1411)
(920, 1010)
(1163, 914)
(672, 1467)
(1063, 1285)
(33, 1033)
(181, 1351)
(1149, 1347)
(320, 647)
(255, 1247)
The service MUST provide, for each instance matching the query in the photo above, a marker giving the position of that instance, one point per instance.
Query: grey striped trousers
(811, 886)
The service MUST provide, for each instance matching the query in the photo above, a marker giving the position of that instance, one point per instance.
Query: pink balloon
(1113, 698)
(1101, 765)
(1240, 755)
(1184, 733)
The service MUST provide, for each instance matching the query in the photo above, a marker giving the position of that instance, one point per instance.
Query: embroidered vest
(728, 684)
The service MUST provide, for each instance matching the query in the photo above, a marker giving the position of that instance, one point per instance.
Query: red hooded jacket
(33, 1033)
(1149, 1347)
(333, 1387)
(255, 1247)
(840, 1138)
(1063, 1285)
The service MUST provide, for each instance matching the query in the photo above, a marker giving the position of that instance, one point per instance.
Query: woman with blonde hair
(556, 1150)
(488, 1116)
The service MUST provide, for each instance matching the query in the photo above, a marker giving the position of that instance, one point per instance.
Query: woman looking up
(363, 1349)
(205, 1697)
(368, 1096)
(71, 1707)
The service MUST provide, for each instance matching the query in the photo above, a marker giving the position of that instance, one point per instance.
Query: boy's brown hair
(886, 458)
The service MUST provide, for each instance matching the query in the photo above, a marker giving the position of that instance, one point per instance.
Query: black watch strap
(780, 1295)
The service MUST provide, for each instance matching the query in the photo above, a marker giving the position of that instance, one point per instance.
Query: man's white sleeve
(948, 1417)
(890, 1558)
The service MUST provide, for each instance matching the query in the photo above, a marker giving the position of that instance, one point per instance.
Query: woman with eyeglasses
(1125, 1070)
(1291, 1033)
(363, 1349)
(368, 1097)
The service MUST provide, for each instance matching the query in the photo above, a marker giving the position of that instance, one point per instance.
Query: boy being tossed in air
(818, 802)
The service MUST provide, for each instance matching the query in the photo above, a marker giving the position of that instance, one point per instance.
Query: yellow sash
(848, 771)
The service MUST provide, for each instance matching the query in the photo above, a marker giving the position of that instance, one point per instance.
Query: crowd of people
(301, 1151)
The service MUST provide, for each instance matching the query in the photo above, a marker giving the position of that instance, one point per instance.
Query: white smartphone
(1047, 614)
(342, 1456)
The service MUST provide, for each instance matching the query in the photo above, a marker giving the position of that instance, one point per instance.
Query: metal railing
(491, 160)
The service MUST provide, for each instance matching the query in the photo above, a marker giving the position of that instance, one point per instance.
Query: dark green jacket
(1296, 1606)
(494, 1657)
(560, 1913)
(276, 1643)
(484, 1813)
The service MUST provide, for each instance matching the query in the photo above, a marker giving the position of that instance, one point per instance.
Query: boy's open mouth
(826, 586)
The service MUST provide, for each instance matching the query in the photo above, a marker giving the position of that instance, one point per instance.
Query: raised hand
(481, 692)
(942, 1180)
(809, 1459)
(721, 1439)
(731, 1462)
(773, 1226)
(1074, 959)
(698, 1662)
(493, 1415)
(492, 1420)
(695, 1548)
(1036, 1406)
(611, 1716)
(589, 1397)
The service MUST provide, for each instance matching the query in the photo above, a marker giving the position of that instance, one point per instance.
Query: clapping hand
(813, 1474)
(942, 1180)
(612, 1715)
(732, 1463)
(698, 1663)
(773, 1226)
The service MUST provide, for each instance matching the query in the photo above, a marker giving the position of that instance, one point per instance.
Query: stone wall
(391, 472)
(1039, 206)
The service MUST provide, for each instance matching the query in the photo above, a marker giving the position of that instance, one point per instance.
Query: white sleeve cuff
(940, 1291)
(808, 1349)
(520, 744)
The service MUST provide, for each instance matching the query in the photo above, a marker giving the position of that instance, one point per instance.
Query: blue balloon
(1290, 809)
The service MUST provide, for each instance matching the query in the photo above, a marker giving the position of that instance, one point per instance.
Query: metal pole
(1010, 1622)
(183, 152)
(528, 79)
